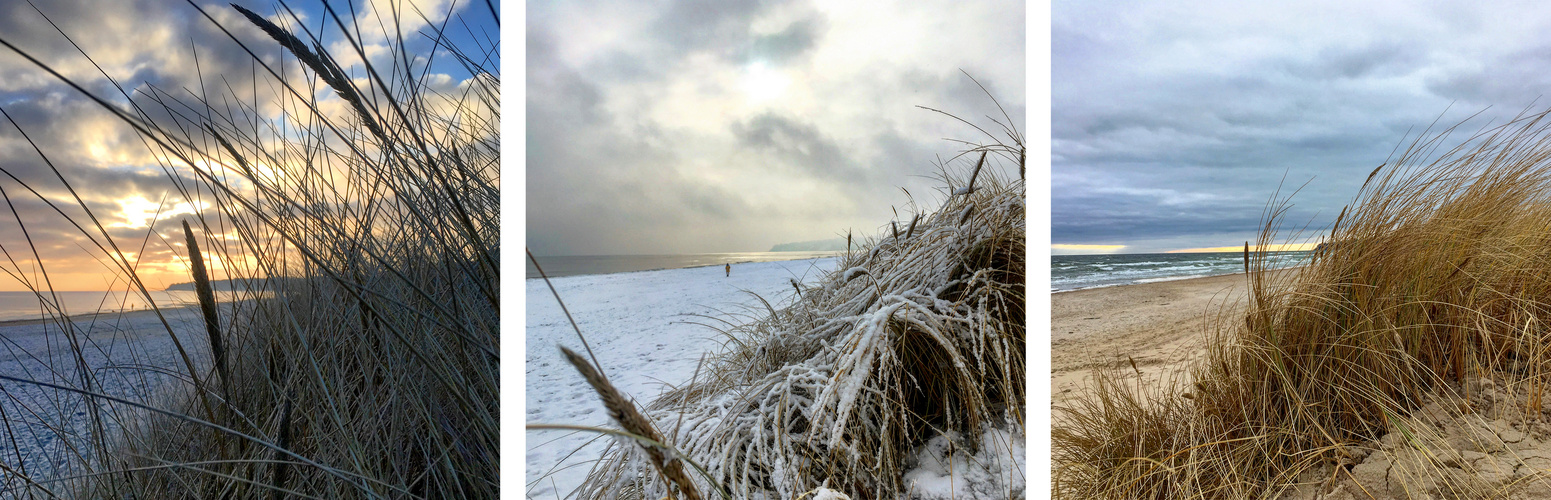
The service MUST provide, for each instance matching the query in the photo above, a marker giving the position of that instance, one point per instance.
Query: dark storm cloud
(1516, 77)
(731, 126)
(788, 44)
(799, 145)
(1378, 59)
(566, 95)
(1177, 122)
(688, 26)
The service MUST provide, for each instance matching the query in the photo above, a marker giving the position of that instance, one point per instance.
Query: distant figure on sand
(729, 269)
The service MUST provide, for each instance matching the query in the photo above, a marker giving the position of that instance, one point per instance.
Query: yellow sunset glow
(1279, 247)
(138, 213)
(261, 170)
(1086, 248)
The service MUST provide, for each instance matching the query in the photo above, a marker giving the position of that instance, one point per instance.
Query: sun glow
(139, 212)
(762, 83)
(1279, 247)
(260, 170)
(1077, 249)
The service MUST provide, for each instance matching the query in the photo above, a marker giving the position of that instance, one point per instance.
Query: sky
(141, 44)
(704, 126)
(1173, 123)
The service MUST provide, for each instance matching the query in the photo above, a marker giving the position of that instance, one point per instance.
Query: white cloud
(738, 125)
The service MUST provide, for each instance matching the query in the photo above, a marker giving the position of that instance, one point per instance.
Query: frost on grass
(917, 343)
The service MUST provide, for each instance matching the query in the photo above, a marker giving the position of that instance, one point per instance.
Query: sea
(1076, 272)
(573, 265)
(27, 305)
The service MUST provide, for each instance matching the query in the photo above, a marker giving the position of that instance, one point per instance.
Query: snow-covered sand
(642, 327)
(122, 353)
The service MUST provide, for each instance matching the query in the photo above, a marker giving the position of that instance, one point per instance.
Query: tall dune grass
(355, 206)
(918, 334)
(1436, 277)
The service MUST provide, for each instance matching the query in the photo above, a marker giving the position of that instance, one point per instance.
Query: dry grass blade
(321, 63)
(625, 414)
(207, 304)
(279, 469)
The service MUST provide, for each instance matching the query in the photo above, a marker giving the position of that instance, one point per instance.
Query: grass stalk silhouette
(352, 204)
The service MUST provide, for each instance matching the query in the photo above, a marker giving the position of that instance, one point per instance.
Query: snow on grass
(647, 330)
(842, 388)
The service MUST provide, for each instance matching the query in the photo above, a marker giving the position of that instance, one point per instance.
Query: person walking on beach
(729, 269)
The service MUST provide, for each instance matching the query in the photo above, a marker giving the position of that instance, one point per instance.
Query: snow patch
(950, 470)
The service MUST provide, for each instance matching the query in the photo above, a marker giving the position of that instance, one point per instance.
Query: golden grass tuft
(1434, 278)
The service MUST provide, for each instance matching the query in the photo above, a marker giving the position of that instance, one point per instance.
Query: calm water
(25, 305)
(1072, 272)
(605, 264)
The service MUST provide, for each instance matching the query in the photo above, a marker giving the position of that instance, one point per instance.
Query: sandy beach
(1161, 326)
(1158, 325)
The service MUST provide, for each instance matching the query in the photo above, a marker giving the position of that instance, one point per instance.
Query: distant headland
(220, 285)
(830, 245)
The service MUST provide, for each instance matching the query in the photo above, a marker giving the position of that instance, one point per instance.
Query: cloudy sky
(690, 126)
(142, 44)
(1174, 122)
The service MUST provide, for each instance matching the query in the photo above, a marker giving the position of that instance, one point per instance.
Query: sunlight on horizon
(1080, 249)
(1279, 247)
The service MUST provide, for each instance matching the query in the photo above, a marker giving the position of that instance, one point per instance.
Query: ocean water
(574, 265)
(1075, 272)
(26, 305)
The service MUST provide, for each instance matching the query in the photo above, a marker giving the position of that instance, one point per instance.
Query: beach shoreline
(89, 316)
(567, 266)
(1152, 330)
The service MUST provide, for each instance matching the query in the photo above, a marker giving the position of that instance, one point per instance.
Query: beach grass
(918, 334)
(1422, 319)
(353, 202)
